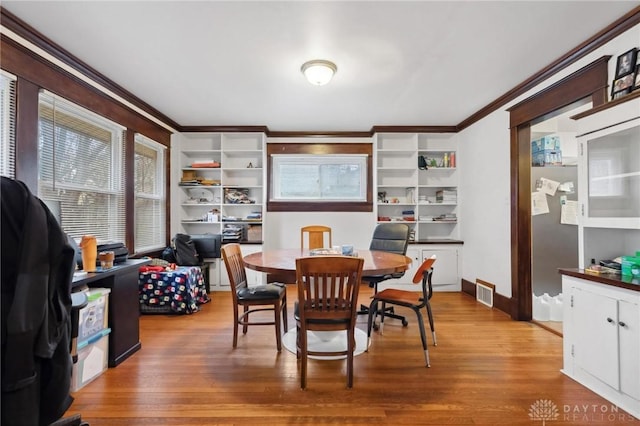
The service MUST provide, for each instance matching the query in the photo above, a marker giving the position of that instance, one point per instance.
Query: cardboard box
(254, 233)
(546, 143)
(547, 157)
(93, 356)
(94, 317)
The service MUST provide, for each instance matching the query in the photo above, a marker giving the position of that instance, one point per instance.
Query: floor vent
(484, 293)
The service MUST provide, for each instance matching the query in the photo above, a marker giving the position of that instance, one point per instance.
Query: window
(319, 177)
(7, 125)
(81, 169)
(150, 222)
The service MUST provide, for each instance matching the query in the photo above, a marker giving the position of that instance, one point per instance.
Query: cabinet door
(596, 335)
(611, 168)
(629, 329)
(445, 269)
(253, 277)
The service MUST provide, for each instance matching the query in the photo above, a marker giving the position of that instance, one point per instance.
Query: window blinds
(81, 169)
(8, 129)
(150, 221)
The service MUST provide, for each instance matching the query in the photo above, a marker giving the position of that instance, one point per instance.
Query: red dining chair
(410, 299)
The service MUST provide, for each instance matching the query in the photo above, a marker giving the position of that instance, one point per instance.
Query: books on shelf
(446, 196)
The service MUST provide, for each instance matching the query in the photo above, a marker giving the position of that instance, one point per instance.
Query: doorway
(554, 230)
(587, 85)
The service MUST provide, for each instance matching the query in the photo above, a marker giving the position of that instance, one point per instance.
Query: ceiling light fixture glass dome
(319, 71)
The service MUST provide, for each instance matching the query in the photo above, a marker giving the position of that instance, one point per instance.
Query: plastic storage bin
(93, 357)
(93, 318)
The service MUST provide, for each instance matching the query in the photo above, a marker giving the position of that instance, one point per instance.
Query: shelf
(200, 151)
(439, 222)
(199, 222)
(437, 204)
(200, 204)
(396, 221)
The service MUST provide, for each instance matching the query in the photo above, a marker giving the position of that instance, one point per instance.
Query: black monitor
(207, 245)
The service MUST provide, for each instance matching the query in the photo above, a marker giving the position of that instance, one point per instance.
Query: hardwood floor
(486, 370)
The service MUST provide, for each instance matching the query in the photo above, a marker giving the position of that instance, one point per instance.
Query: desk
(284, 261)
(172, 292)
(124, 308)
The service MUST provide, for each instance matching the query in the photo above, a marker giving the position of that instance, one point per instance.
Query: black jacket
(37, 271)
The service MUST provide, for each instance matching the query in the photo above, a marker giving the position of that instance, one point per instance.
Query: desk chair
(394, 238)
(316, 236)
(269, 297)
(327, 301)
(409, 299)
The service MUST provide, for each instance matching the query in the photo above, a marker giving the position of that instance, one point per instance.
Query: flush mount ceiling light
(318, 71)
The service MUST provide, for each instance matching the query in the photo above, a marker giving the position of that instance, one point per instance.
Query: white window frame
(314, 162)
(158, 227)
(113, 228)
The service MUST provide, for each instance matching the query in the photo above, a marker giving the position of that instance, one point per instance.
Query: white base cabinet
(601, 344)
(446, 276)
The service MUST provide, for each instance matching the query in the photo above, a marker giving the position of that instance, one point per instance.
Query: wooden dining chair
(268, 297)
(410, 299)
(327, 301)
(317, 236)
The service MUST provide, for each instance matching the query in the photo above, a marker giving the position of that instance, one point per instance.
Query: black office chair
(393, 238)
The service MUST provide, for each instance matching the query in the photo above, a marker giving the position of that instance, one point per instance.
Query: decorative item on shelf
(205, 164)
(636, 81)
(408, 215)
(446, 196)
(200, 195)
(213, 215)
(237, 196)
(254, 217)
(422, 162)
(411, 195)
(446, 217)
(382, 197)
(626, 74)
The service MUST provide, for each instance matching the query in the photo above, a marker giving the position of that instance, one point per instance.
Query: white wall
(484, 162)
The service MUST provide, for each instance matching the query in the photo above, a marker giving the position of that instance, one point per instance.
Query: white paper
(539, 203)
(567, 187)
(569, 212)
(549, 186)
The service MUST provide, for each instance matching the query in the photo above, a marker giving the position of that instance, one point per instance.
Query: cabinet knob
(622, 324)
(610, 321)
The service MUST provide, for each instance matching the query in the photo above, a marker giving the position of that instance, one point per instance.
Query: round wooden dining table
(284, 260)
(279, 261)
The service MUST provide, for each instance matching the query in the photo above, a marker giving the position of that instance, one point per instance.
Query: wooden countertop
(607, 279)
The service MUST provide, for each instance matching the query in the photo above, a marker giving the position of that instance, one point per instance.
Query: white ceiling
(237, 63)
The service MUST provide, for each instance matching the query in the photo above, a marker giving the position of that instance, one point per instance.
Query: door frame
(587, 84)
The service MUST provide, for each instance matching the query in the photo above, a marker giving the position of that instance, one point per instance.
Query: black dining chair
(393, 238)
